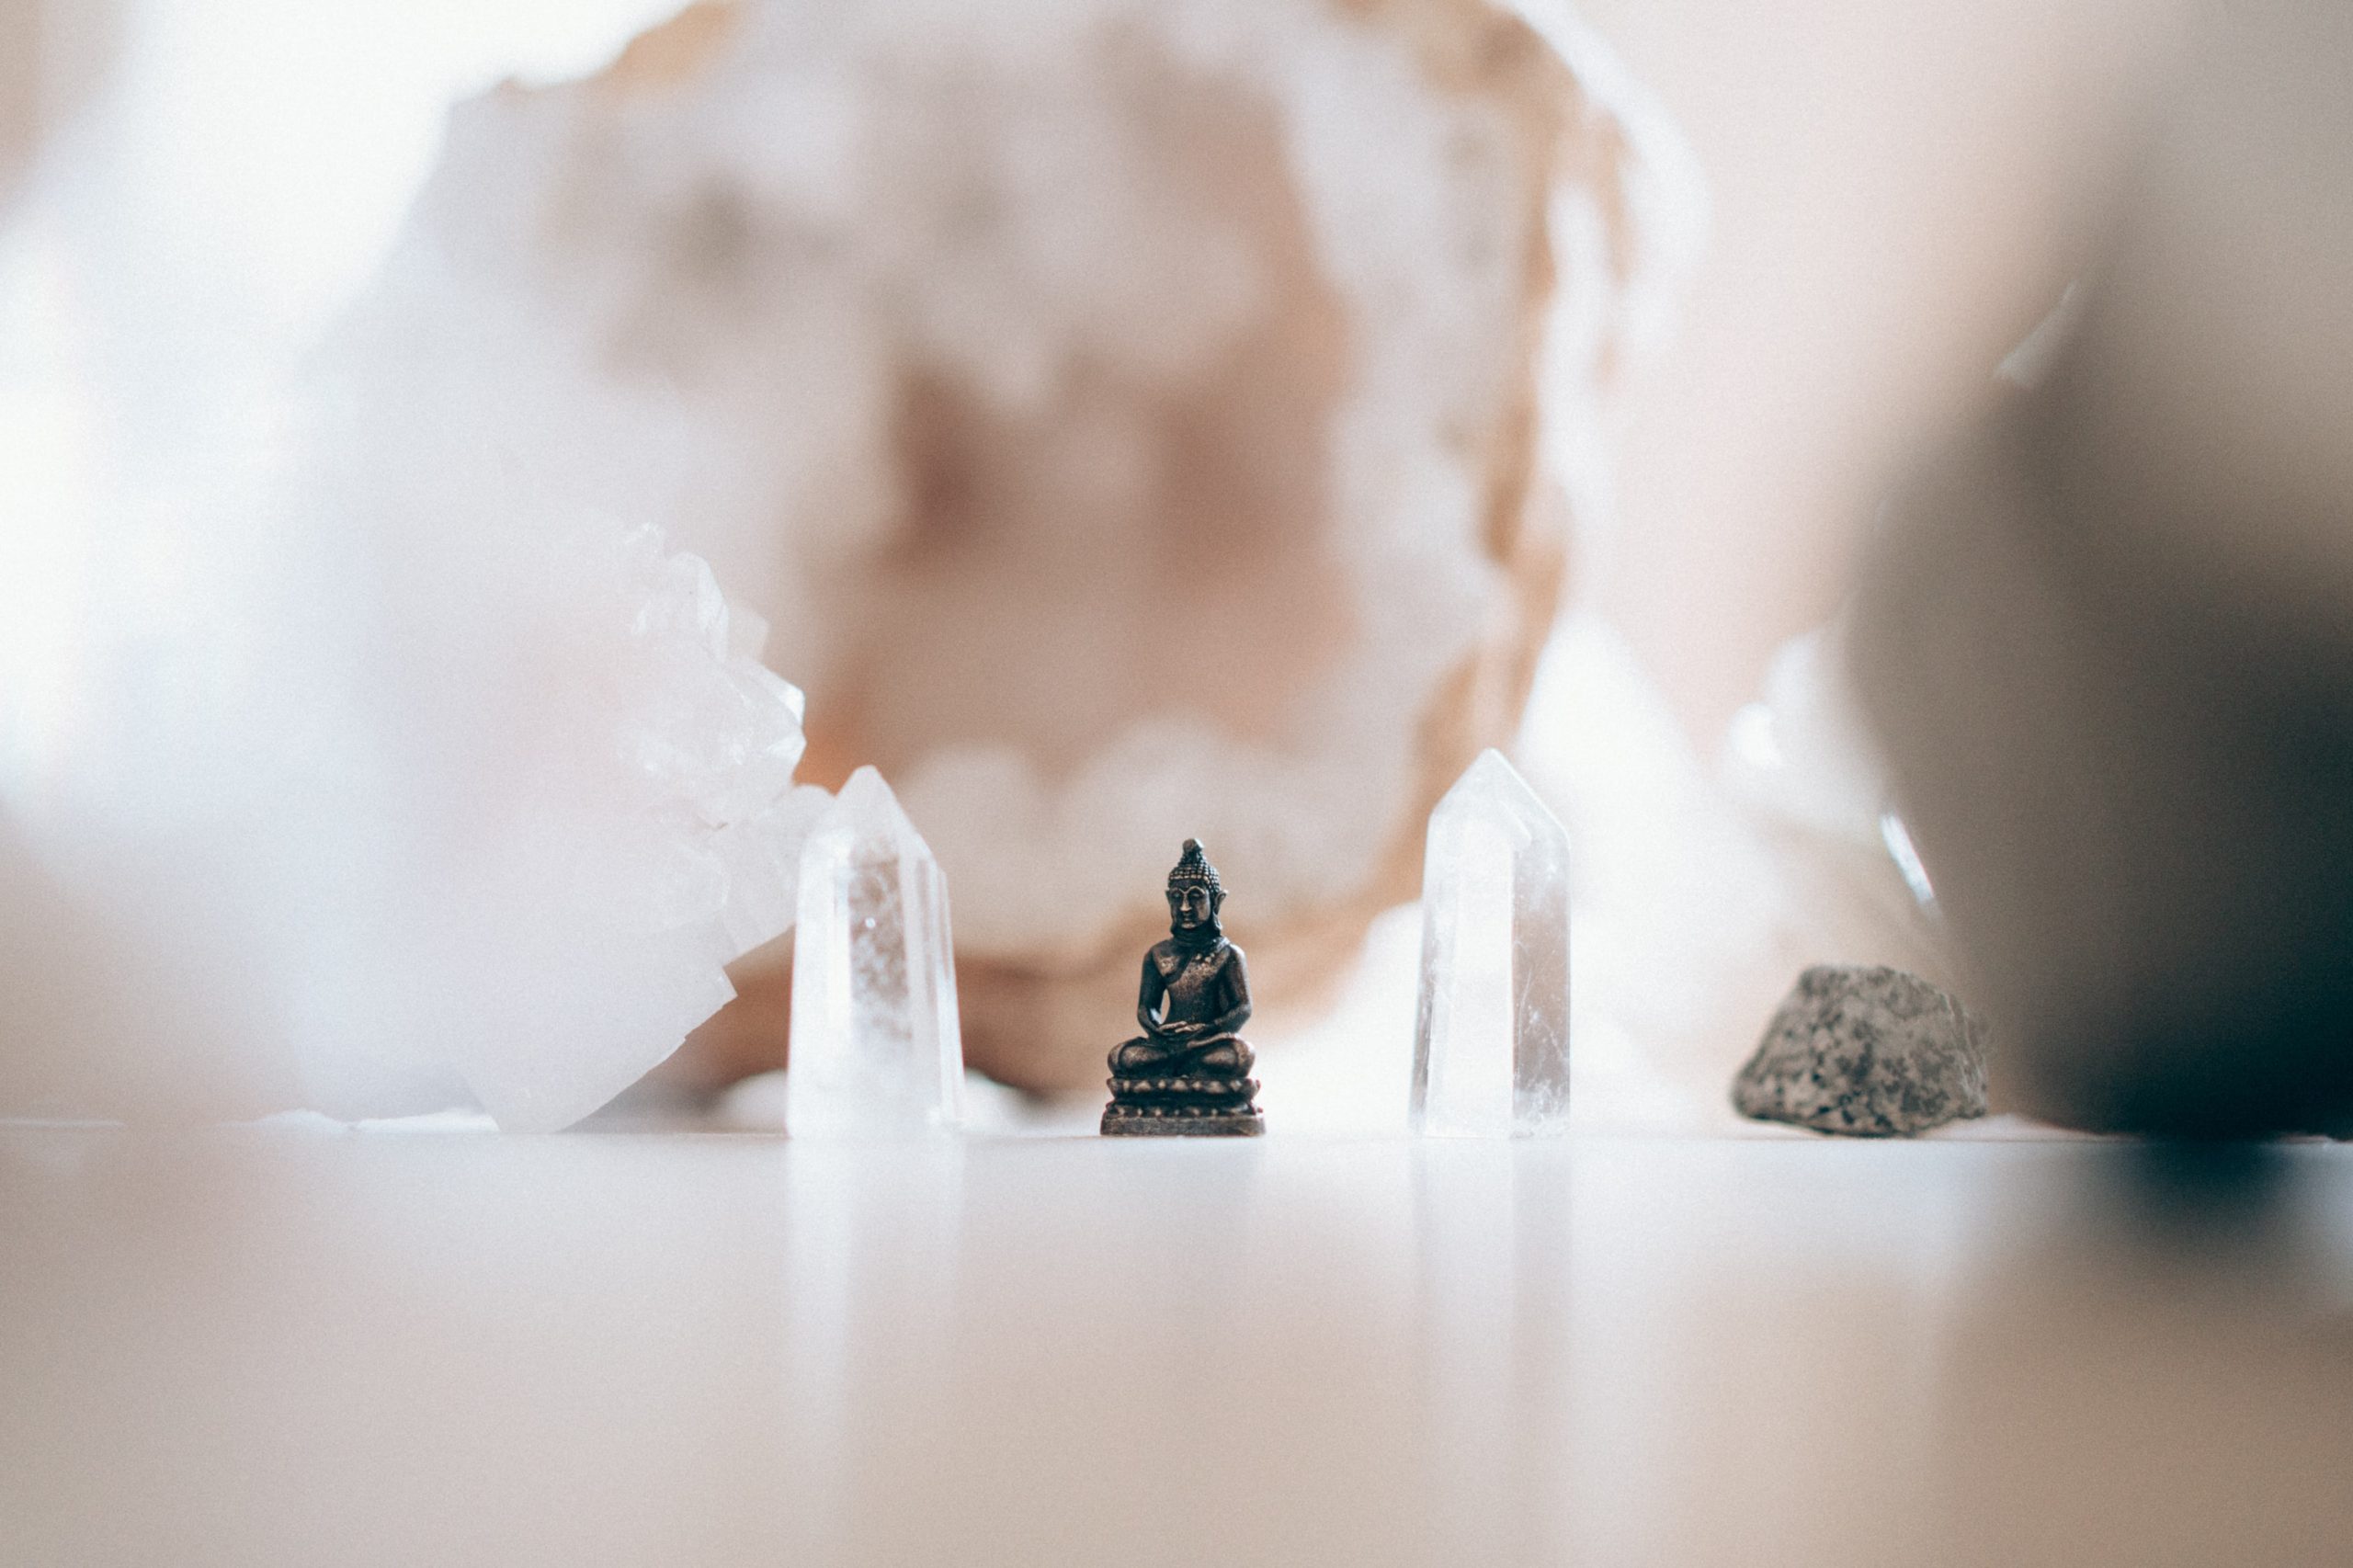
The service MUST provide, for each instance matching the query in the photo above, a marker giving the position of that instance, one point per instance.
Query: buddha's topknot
(1193, 869)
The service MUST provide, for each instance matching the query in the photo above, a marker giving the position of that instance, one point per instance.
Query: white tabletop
(294, 1346)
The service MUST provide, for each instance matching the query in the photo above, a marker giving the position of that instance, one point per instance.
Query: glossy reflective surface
(277, 1345)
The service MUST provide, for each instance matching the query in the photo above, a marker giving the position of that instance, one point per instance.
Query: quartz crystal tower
(876, 1047)
(1491, 1039)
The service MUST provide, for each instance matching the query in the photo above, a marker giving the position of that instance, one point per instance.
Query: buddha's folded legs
(1218, 1056)
(1225, 1056)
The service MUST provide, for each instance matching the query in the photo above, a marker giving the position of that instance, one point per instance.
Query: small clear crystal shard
(1490, 1037)
(876, 1051)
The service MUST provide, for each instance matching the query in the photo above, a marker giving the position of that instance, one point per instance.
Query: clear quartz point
(876, 1050)
(1491, 1036)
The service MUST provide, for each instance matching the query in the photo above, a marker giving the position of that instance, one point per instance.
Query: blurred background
(1890, 189)
(1785, 260)
(1880, 467)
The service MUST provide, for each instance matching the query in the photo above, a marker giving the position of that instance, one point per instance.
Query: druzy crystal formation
(960, 337)
(939, 331)
(876, 1048)
(1866, 1051)
(1491, 1039)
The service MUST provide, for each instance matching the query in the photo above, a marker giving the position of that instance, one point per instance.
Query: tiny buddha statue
(1189, 1072)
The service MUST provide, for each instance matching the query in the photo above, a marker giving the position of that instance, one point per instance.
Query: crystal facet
(876, 1048)
(1491, 1039)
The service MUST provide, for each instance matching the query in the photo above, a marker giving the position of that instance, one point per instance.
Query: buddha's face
(1189, 907)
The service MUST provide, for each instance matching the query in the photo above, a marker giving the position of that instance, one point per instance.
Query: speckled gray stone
(1867, 1052)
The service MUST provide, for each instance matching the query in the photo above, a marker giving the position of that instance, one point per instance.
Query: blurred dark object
(1865, 1052)
(2109, 640)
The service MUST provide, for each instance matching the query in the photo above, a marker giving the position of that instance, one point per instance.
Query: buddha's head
(1195, 895)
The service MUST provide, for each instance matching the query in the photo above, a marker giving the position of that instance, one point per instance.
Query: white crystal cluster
(365, 746)
(1017, 237)
(1490, 1037)
(876, 1047)
(1803, 768)
(493, 836)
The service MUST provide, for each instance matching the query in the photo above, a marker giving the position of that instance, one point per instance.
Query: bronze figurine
(1189, 1072)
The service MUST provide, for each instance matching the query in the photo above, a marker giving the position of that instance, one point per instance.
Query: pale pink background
(1898, 187)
